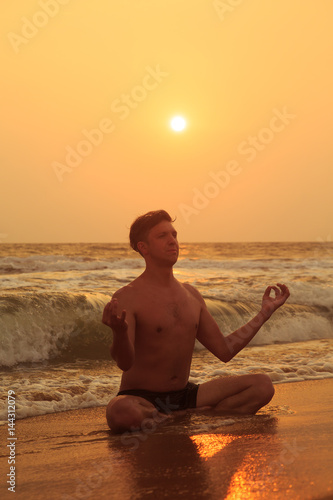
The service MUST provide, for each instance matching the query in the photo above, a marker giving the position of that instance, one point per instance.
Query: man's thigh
(213, 392)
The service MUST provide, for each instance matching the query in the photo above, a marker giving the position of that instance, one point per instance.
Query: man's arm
(225, 348)
(123, 328)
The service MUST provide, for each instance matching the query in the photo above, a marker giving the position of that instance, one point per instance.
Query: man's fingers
(114, 307)
(111, 318)
(281, 292)
(114, 311)
(284, 289)
(276, 290)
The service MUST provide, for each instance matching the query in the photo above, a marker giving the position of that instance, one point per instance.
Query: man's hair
(143, 224)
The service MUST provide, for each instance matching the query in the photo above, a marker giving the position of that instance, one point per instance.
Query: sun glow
(210, 444)
(178, 123)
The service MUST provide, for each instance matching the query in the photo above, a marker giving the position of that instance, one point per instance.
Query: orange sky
(87, 93)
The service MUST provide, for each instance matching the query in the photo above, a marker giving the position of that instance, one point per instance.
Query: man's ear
(142, 247)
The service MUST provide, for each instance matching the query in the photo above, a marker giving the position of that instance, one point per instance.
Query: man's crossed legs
(235, 395)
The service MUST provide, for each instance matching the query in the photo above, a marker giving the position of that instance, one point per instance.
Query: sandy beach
(283, 452)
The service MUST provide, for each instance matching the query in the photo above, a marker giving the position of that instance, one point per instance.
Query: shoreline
(285, 451)
(46, 389)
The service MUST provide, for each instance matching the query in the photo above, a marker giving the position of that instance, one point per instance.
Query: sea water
(54, 349)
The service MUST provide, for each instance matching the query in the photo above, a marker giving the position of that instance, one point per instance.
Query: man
(155, 321)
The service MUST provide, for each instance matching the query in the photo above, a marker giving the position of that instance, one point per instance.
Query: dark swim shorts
(167, 402)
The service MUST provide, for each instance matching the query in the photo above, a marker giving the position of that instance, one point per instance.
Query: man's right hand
(111, 318)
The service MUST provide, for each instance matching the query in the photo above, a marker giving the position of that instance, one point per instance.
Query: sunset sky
(88, 90)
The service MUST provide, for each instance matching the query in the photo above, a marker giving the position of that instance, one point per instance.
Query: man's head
(141, 227)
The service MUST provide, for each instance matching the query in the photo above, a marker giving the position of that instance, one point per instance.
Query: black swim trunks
(167, 402)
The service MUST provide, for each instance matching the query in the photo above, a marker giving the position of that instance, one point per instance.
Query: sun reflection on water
(243, 478)
(210, 444)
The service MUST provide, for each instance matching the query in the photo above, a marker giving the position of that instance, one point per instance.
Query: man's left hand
(271, 304)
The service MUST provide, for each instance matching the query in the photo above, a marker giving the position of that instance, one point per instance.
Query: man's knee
(265, 388)
(122, 414)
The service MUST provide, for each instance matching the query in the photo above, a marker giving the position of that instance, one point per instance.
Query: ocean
(55, 350)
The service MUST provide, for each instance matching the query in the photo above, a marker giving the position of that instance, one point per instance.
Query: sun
(178, 123)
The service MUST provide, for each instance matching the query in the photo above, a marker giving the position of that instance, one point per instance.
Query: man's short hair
(143, 224)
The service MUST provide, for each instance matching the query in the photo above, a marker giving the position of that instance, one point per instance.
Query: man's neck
(159, 276)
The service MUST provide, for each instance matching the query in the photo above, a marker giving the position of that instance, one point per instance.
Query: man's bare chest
(162, 313)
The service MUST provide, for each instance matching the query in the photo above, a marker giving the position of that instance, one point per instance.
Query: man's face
(162, 242)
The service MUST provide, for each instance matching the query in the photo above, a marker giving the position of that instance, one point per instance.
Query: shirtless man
(155, 321)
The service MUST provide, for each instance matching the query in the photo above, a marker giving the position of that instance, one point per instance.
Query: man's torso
(166, 325)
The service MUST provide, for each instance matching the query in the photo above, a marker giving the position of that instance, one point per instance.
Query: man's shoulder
(124, 293)
(127, 291)
(196, 294)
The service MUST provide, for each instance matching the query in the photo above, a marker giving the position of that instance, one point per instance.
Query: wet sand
(284, 452)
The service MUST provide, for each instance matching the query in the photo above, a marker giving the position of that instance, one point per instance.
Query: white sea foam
(49, 389)
(283, 363)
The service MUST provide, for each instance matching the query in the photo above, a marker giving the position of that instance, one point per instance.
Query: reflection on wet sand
(231, 462)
